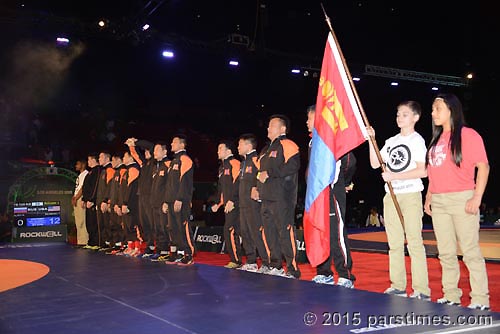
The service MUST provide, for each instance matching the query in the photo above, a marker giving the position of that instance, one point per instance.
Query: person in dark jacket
(158, 190)
(251, 227)
(130, 205)
(179, 194)
(147, 165)
(117, 233)
(102, 198)
(228, 195)
(277, 187)
(89, 193)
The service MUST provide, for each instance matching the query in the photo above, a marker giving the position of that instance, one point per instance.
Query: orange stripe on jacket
(135, 155)
(186, 164)
(110, 173)
(133, 174)
(235, 164)
(289, 149)
(256, 161)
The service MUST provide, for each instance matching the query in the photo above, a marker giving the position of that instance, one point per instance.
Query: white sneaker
(323, 279)
(252, 267)
(418, 295)
(447, 302)
(478, 307)
(264, 269)
(345, 282)
(277, 272)
(395, 292)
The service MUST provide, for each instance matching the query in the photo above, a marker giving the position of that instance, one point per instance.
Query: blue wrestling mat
(93, 293)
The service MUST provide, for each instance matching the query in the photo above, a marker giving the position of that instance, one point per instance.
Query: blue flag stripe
(321, 171)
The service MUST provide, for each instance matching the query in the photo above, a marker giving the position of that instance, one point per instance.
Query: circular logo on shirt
(399, 158)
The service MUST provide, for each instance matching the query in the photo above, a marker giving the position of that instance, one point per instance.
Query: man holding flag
(338, 129)
(340, 252)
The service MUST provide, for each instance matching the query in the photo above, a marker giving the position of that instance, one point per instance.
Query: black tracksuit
(281, 160)
(229, 191)
(251, 227)
(180, 188)
(159, 178)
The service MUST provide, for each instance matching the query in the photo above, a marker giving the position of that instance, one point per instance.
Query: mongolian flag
(338, 129)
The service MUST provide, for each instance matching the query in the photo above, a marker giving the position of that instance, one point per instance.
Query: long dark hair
(457, 123)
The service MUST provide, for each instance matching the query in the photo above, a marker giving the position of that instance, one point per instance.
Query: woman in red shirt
(453, 198)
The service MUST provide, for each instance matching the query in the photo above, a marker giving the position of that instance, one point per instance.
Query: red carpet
(372, 274)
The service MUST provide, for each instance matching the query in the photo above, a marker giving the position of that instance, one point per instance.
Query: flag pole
(363, 115)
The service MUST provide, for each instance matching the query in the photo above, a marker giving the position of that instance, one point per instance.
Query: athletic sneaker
(447, 302)
(345, 282)
(154, 257)
(395, 292)
(479, 307)
(252, 267)
(173, 258)
(276, 272)
(136, 252)
(232, 265)
(323, 279)
(264, 269)
(186, 260)
(418, 295)
(114, 250)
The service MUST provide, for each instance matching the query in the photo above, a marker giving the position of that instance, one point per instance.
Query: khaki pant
(82, 236)
(412, 209)
(451, 225)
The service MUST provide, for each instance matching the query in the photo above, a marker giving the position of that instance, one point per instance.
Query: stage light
(295, 71)
(145, 27)
(234, 63)
(435, 88)
(356, 79)
(101, 23)
(394, 83)
(62, 40)
(167, 54)
(469, 76)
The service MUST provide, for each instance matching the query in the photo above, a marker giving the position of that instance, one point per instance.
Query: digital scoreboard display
(37, 213)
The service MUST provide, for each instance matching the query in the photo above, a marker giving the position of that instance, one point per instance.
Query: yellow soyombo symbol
(332, 110)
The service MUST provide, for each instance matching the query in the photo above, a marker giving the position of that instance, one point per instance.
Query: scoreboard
(37, 213)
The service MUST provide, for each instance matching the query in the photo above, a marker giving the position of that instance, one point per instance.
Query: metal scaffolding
(395, 73)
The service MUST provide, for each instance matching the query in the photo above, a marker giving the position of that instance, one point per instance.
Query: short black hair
(106, 153)
(182, 137)
(229, 145)
(251, 138)
(83, 162)
(162, 144)
(93, 155)
(118, 154)
(284, 120)
(311, 108)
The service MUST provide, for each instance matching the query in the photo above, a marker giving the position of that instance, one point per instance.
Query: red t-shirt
(444, 175)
